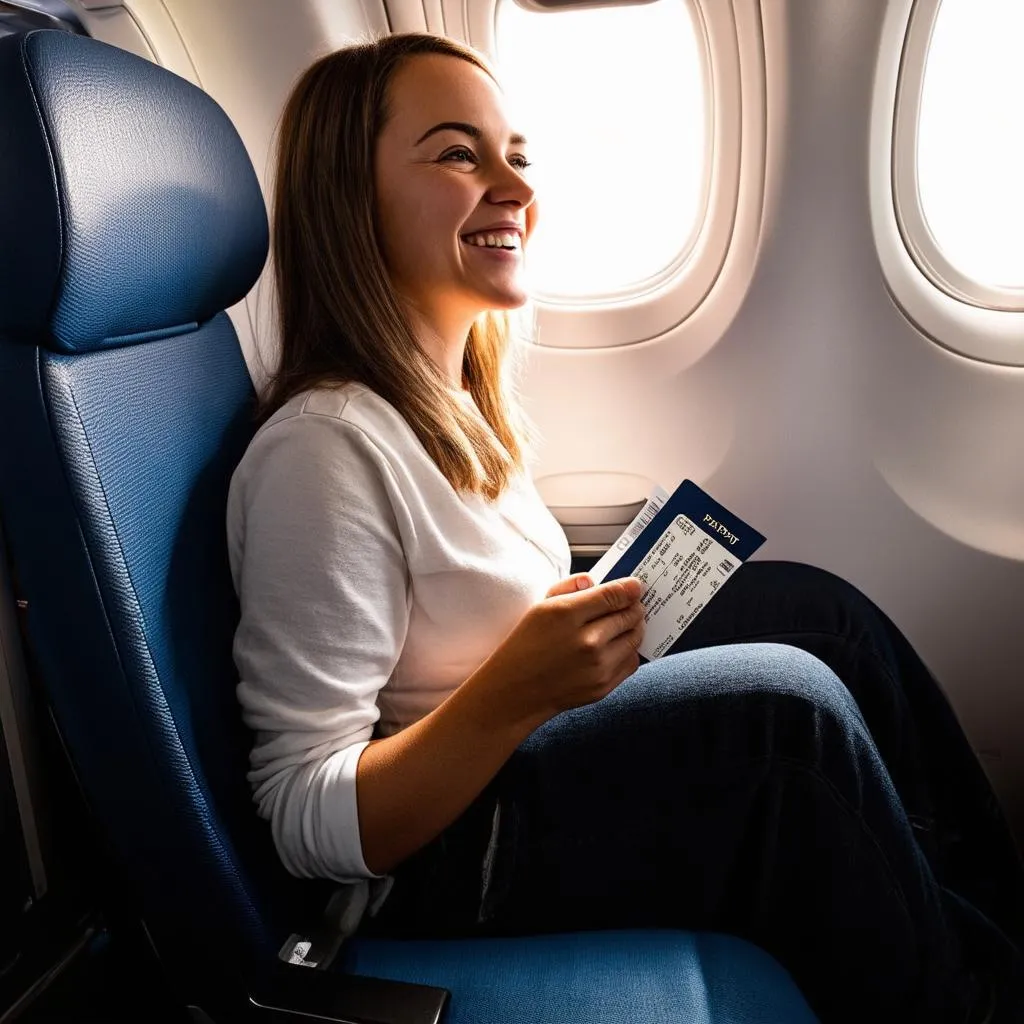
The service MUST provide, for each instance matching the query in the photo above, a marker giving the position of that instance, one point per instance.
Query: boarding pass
(684, 546)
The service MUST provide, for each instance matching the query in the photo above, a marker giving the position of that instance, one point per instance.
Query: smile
(507, 240)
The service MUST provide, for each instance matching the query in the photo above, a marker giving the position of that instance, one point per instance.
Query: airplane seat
(125, 404)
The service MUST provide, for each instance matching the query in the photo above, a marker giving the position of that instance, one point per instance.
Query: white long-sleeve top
(369, 590)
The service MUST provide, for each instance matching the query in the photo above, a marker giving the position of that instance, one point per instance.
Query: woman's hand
(571, 649)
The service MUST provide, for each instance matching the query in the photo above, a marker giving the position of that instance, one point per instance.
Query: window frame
(646, 310)
(977, 332)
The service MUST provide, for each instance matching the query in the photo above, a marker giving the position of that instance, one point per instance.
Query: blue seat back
(125, 405)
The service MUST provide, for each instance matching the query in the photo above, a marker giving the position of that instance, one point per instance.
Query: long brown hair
(339, 316)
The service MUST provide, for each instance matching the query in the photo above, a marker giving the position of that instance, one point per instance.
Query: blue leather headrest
(129, 209)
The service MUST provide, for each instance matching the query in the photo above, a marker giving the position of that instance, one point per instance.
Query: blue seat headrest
(129, 208)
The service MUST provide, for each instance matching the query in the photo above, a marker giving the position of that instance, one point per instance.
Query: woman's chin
(502, 300)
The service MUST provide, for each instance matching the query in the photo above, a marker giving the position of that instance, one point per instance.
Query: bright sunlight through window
(612, 101)
(970, 149)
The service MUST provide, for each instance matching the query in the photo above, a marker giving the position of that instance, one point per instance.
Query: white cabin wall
(116, 26)
(878, 454)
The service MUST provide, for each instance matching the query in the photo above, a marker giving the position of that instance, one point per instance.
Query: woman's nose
(509, 186)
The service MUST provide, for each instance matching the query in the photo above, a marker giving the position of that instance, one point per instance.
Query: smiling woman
(447, 196)
(443, 714)
(375, 281)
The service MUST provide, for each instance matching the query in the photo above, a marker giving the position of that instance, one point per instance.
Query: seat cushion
(612, 977)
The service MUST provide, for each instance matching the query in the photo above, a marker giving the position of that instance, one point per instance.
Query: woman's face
(450, 184)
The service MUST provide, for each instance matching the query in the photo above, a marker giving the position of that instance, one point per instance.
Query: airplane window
(615, 102)
(970, 157)
(958, 162)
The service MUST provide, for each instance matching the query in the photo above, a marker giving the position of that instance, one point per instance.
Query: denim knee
(749, 669)
(727, 706)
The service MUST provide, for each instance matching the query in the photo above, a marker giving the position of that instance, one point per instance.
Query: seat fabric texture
(621, 977)
(125, 404)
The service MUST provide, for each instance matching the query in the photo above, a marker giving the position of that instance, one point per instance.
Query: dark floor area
(109, 979)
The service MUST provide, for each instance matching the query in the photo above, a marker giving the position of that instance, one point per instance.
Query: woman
(436, 700)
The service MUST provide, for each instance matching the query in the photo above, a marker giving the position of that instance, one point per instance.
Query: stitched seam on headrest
(206, 819)
(157, 334)
(54, 176)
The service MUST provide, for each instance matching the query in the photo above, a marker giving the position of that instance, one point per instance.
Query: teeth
(494, 241)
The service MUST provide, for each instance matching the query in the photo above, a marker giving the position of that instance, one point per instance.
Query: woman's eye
(460, 154)
(519, 162)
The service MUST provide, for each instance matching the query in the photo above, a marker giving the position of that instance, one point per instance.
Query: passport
(685, 547)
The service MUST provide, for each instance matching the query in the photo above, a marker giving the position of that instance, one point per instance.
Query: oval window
(970, 150)
(614, 102)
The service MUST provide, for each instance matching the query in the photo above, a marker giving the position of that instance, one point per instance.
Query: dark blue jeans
(827, 808)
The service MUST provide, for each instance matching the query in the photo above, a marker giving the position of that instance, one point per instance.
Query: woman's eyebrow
(466, 129)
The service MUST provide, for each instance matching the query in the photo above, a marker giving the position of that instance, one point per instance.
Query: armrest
(292, 995)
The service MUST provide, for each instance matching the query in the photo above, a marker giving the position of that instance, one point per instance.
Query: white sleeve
(323, 586)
